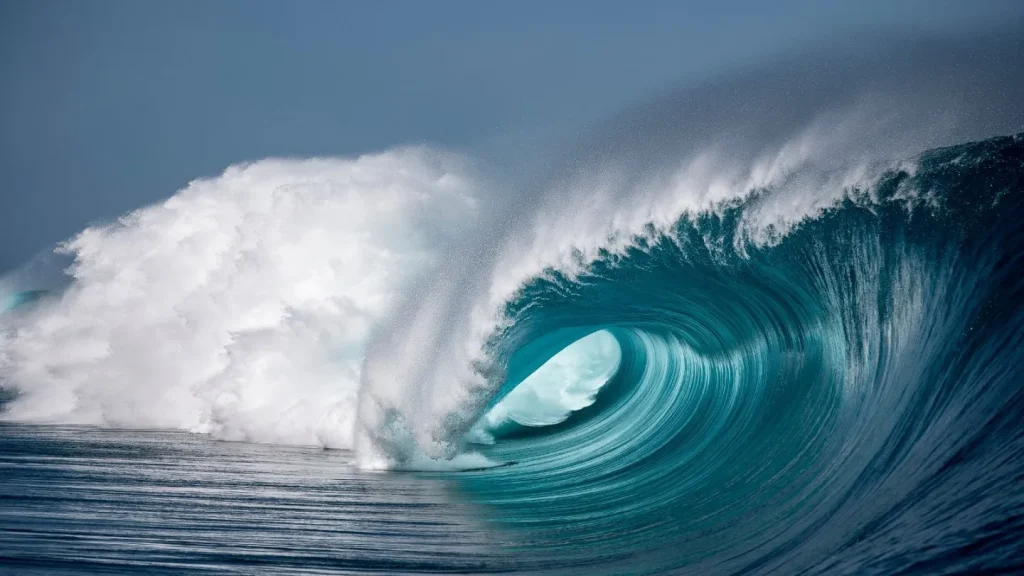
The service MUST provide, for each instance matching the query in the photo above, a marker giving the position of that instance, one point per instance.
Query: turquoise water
(846, 400)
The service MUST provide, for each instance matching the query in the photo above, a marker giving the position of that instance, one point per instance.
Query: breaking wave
(772, 322)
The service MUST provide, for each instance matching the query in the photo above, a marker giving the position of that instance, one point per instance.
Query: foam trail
(240, 306)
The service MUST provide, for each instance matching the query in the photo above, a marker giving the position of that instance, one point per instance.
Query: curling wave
(835, 401)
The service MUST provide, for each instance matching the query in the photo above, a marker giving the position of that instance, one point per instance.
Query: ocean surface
(80, 500)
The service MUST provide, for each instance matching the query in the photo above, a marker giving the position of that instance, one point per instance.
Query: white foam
(241, 306)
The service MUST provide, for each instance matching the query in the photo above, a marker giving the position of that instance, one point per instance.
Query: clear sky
(108, 105)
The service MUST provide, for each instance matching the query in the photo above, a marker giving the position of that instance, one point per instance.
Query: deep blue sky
(109, 105)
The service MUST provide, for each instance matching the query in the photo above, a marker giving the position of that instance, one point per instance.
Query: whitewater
(773, 322)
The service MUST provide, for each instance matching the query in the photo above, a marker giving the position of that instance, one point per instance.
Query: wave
(740, 329)
(848, 391)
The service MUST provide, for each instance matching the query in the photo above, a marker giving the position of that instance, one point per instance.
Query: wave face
(742, 331)
(844, 399)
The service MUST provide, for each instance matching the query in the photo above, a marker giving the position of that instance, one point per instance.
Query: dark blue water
(86, 500)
